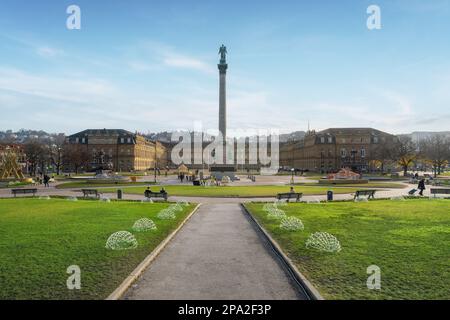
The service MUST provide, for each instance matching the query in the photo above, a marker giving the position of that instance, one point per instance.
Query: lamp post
(154, 167)
(292, 175)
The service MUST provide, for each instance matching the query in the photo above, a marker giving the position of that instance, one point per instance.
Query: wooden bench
(24, 191)
(369, 193)
(90, 192)
(290, 195)
(150, 194)
(435, 191)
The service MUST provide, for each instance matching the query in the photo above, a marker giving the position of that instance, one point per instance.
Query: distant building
(332, 149)
(118, 150)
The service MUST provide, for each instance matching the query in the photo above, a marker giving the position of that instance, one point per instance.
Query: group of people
(45, 180)
(160, 191)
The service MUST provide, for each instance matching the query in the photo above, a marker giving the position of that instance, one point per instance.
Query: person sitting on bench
(163, 190)
(292, 190)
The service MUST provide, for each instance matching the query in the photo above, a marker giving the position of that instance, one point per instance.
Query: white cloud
(48, 52)
(186, 62)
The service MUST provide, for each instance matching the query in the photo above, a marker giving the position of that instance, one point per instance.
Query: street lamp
(292, 175)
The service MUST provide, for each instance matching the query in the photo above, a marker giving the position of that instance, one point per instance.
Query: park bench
(290, 195)
(90, 192)
(369, 193)
(435, 191)
(24, 191)
(150, 194)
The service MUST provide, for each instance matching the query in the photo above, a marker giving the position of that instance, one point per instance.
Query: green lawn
(233, 191)
(409, 240)
(84, 184)
(39, 239)
(389, 185)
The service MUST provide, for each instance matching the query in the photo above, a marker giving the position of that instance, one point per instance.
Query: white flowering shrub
(291, 224)
(183, 203)
(313, 201)
(144, 224)
(147, 200)
(176, 207)
(44, 198)
(323, 241)
(280, 203)
(72, 199)
(276, 214)
(166, 214)
(105, 199)
(398, 198)
(269, 206)
(121, 240)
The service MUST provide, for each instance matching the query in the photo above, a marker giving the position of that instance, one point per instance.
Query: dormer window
(122, 140)
(322, 139)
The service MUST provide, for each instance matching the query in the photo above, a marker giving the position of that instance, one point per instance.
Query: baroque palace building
(332, 149)
(118, 150)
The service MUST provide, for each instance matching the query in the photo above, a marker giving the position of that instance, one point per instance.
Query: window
(330, 140)
(375, 139)
(77, 140)
(343, 153)
(129, 140)
(122, 140)
(322, 139)
(83, 140)
(363, 153)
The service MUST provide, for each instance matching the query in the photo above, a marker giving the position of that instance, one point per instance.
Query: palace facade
(332, 149)
(118, 150)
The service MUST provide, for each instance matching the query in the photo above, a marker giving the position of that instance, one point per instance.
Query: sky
(151, 66)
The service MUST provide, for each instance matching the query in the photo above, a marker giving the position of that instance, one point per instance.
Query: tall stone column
(223, 66)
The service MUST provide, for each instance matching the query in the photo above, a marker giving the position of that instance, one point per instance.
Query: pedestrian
(46, 181)
(421, 186)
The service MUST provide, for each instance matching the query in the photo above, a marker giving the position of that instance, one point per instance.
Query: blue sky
(151, 65)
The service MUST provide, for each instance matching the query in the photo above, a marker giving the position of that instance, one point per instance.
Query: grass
(234, 191)
(408, 240)
(390, 185)
(84, 184)
(39, 239)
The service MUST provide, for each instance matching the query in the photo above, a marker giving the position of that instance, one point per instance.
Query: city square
(353, 206)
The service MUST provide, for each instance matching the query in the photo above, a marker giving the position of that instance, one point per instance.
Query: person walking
(46, 181)
(421, 186)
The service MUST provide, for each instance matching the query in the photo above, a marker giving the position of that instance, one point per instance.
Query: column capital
(223, 67)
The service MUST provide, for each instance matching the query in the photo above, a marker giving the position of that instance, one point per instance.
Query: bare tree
(436, 151)
(382, 154)
(405, 152)
(56, 148)
(75, 158)
(35, 153)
